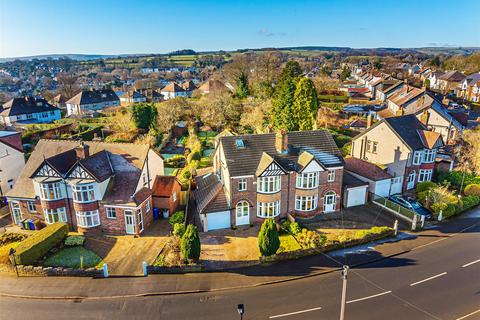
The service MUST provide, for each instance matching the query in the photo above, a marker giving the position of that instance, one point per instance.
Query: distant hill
(79, 57)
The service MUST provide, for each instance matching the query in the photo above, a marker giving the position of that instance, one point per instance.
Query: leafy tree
(268, 240)
(190, 244)
(345, 74)
(435, 62)
(305, 105)
(242, 86)
(144, 115)
(292, 70)
(282, 106)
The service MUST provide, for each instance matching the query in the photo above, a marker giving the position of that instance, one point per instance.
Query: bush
(425, 186)
(73, 241)
(10, 237)
(177, 217)
(470, 201)
(268, 240)
(372, 231)
(190, 244)
(422, 197)
(286, 226)
(472, 190)
(294, 228)
(40, 242)
(310, 239)
(178, 229)
(455, 178)
(438, 206)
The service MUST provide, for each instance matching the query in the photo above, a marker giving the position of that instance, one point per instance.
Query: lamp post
(241, 310)
(12, 258)
(344, 292)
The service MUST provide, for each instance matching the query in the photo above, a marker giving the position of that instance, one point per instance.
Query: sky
(34, 27)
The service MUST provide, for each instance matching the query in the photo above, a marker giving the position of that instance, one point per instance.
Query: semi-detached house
(87, 102)
(92, 186)
(28, 110)
(404, 146)
(269, 176)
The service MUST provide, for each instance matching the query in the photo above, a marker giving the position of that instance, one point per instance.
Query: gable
(79, 173)
(272, 170)
(313, 166)
(46, 171)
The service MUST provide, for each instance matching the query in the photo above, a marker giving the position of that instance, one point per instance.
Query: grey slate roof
(209, 195)
(26, 105)
(244, 161)
(408, 127)
(349, 181)
(94, 96)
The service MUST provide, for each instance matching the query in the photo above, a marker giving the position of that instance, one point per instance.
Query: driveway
(226, 248)
(124, 255)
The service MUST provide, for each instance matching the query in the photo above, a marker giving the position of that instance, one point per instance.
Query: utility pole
(344, 292)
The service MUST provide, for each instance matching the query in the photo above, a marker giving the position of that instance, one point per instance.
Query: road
(440, 280)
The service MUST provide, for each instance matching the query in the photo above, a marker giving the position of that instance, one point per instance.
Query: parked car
(411, 204)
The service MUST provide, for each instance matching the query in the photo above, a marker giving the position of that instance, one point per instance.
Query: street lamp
(344, 292)
(12, 258)
(241, 310)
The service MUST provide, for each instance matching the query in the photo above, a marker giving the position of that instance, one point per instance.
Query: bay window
(268, 209)
(428, 156)
(306, 203)
(88, 219)
(268, 184)
(425, 175)
(50, 191)
(307, 180)
(55, 215)
(417, 157)
(83, 193)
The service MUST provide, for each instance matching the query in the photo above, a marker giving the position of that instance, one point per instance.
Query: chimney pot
(82, 151)
(281, 141)
(369, 121)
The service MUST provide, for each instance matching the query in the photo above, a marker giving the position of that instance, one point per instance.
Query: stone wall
(38, 271)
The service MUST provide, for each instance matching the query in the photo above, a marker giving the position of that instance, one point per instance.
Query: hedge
(39, 243)
(472, 190)
(425, 186)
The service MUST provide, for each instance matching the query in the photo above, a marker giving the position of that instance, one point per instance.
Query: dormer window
(83, 193)
(50, 191)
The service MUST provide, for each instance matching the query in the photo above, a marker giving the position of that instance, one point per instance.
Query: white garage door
(218, 220)
(356, 196)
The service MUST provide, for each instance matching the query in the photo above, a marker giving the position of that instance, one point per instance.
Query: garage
(355, 191)
(218, 220)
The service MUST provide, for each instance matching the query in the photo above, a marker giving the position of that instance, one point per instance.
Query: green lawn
(288, 243)
(70, 258)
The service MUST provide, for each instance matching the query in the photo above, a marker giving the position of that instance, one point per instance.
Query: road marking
(468, 315)
(424, 280)
(470, 263)
(293, 313)
(375, 295)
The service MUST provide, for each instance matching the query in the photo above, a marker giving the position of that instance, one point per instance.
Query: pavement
(437, 276)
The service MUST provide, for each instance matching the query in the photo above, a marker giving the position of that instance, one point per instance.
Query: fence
(401, 212)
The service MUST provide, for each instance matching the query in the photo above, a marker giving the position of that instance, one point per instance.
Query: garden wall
(33, 271)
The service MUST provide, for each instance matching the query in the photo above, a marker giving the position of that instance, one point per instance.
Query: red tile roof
(163, 186)
(365, 169)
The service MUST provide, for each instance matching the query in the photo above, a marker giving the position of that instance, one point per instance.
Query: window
(268, 184)
(306, 203)
(417, 156)
(425, 175)
(429, 156)
(83, 193)
(111, 213)
(331, 176)
(88, 219)
(372, 146)
(145, 179)
(307, 180)
(29, 116)
(147, 206)
(31, 206)
(242, 184)
(55, 215)
(50, 191)
(242, 209)
(16, 212)
(174, 196)
(268, 209)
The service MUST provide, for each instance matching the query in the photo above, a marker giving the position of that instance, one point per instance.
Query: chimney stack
(82, 151)
(369, 121)
(281, 141)
(425, 117)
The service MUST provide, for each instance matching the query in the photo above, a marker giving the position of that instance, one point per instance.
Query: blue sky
(30, 27)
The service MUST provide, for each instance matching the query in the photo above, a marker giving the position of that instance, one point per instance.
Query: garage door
(218, 220)
(356, 196)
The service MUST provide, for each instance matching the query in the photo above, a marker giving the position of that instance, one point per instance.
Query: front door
(129, 222)
(411, 180)
(329, 202)
(242, 213)
(17, 214)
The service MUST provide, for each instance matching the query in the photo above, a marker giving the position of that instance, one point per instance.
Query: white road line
(375, 295)
(292, 313)
(468, 315)
(470, 263)
(424, 280)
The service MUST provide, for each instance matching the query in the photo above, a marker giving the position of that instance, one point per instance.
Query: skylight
(239, 144)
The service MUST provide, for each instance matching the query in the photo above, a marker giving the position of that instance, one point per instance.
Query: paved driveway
(124, 255)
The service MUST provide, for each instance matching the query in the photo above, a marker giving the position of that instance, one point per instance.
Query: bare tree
(68, 84)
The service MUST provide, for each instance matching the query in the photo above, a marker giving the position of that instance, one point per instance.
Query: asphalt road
(437, 281)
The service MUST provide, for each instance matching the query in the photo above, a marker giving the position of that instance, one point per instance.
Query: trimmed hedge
(39, 243)
(472, 190)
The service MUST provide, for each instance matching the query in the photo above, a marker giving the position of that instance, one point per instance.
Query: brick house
(166, 193)
(92, 186)
(404, 146)
(269, 175)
